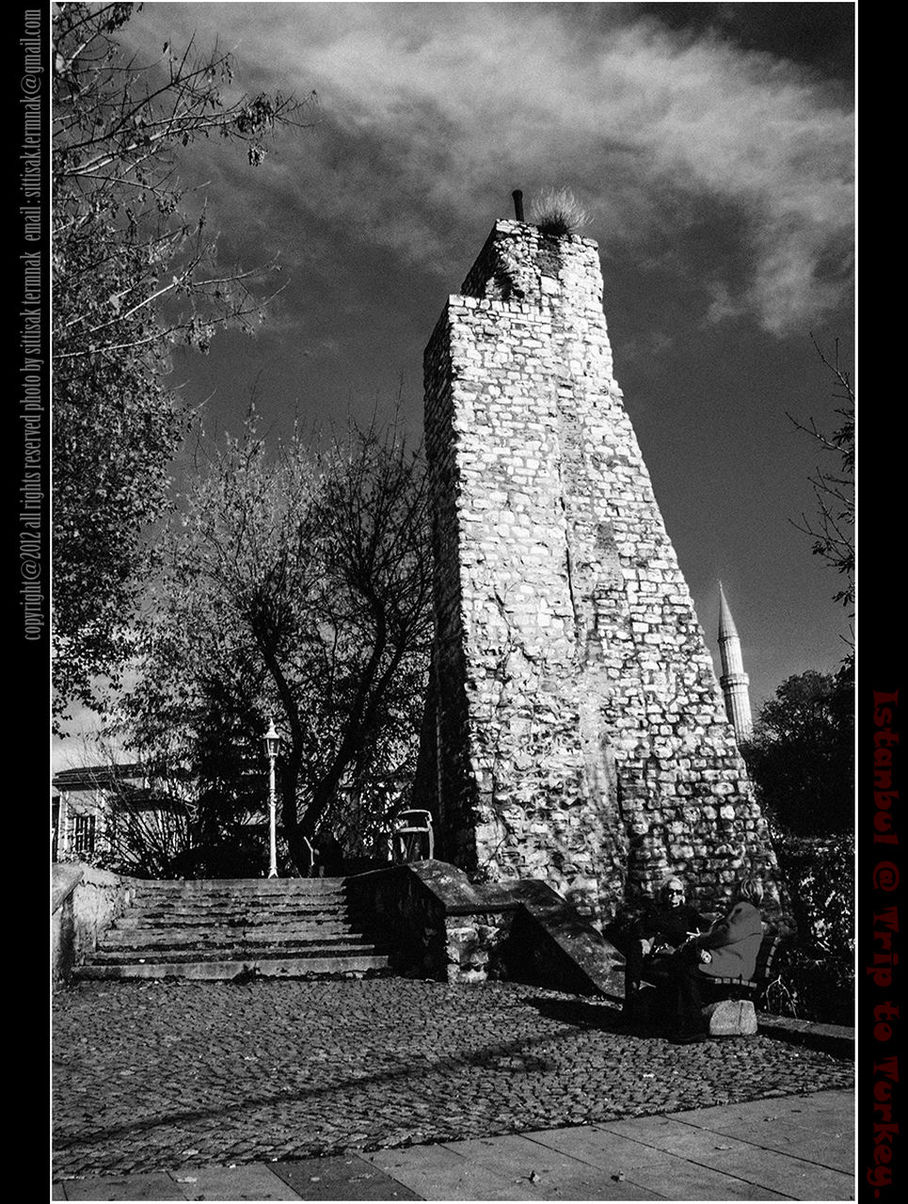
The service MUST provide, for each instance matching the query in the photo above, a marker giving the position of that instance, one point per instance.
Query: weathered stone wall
(85, 902)
(580, 734)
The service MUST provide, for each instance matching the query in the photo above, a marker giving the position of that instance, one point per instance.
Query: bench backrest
(766, 956)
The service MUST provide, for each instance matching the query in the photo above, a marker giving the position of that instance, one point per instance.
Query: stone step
(238, 886)
(279, 902)
(176, 907)
(313, 952)
(240, 907)
(241, 918)
(139, 938)
(157, 957)
(352, 966)
(276, 898)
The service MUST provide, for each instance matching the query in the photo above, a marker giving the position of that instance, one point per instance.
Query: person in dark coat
(329, 856)
(665, 928)
(727, 950)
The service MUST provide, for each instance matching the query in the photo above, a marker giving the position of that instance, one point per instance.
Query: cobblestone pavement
(163, 1074)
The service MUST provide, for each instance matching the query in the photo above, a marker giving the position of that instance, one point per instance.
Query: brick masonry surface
(580, 734)
(150, 1075)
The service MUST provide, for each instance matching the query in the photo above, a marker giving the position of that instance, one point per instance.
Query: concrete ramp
(445, 926)
(550, 936)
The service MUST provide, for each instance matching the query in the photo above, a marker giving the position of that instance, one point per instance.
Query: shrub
(815, 972)
(811, 985)
(557, 211)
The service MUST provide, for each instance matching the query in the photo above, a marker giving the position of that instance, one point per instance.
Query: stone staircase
(229, 927)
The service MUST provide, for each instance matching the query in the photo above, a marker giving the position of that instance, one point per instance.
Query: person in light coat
(727, 950)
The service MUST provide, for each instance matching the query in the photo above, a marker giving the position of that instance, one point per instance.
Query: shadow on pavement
(510, 1056)
(598, 1016)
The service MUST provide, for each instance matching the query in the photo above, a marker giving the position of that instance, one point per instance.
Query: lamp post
(272, 742)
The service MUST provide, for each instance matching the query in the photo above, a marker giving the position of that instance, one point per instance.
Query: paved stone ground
(165, 1074)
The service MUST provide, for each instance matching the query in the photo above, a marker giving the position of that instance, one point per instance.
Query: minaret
(734, 681)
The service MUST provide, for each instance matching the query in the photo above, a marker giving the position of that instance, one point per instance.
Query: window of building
(84, 834)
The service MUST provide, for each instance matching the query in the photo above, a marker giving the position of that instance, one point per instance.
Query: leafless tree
(296, 583)
(135, 270)
(832, 527)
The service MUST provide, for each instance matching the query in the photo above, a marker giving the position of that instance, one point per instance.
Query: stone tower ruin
(575, 730)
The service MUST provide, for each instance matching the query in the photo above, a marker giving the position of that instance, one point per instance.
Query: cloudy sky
(713, 144)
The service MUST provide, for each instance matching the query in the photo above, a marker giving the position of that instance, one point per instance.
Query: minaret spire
(733, 680)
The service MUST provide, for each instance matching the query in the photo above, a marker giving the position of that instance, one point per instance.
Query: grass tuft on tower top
(557, 211)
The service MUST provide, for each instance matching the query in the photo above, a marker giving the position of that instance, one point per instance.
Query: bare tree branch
(135, 271)
(832, 527)
(308, 576)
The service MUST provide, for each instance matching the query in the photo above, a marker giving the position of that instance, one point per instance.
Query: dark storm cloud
(430, 113)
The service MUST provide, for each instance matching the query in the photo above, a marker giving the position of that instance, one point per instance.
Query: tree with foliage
(801, 759)
(135, 271)
(832, 527)
(801, 753)
(295, 585)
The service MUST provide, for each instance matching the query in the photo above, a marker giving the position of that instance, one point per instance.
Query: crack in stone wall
(579, 731)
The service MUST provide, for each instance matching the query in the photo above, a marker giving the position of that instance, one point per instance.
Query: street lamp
(272, 743)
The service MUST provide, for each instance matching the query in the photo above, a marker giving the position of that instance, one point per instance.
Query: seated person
(728, 950)
(666, 927)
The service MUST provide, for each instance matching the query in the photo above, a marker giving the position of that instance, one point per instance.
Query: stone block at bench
(730, 1018)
